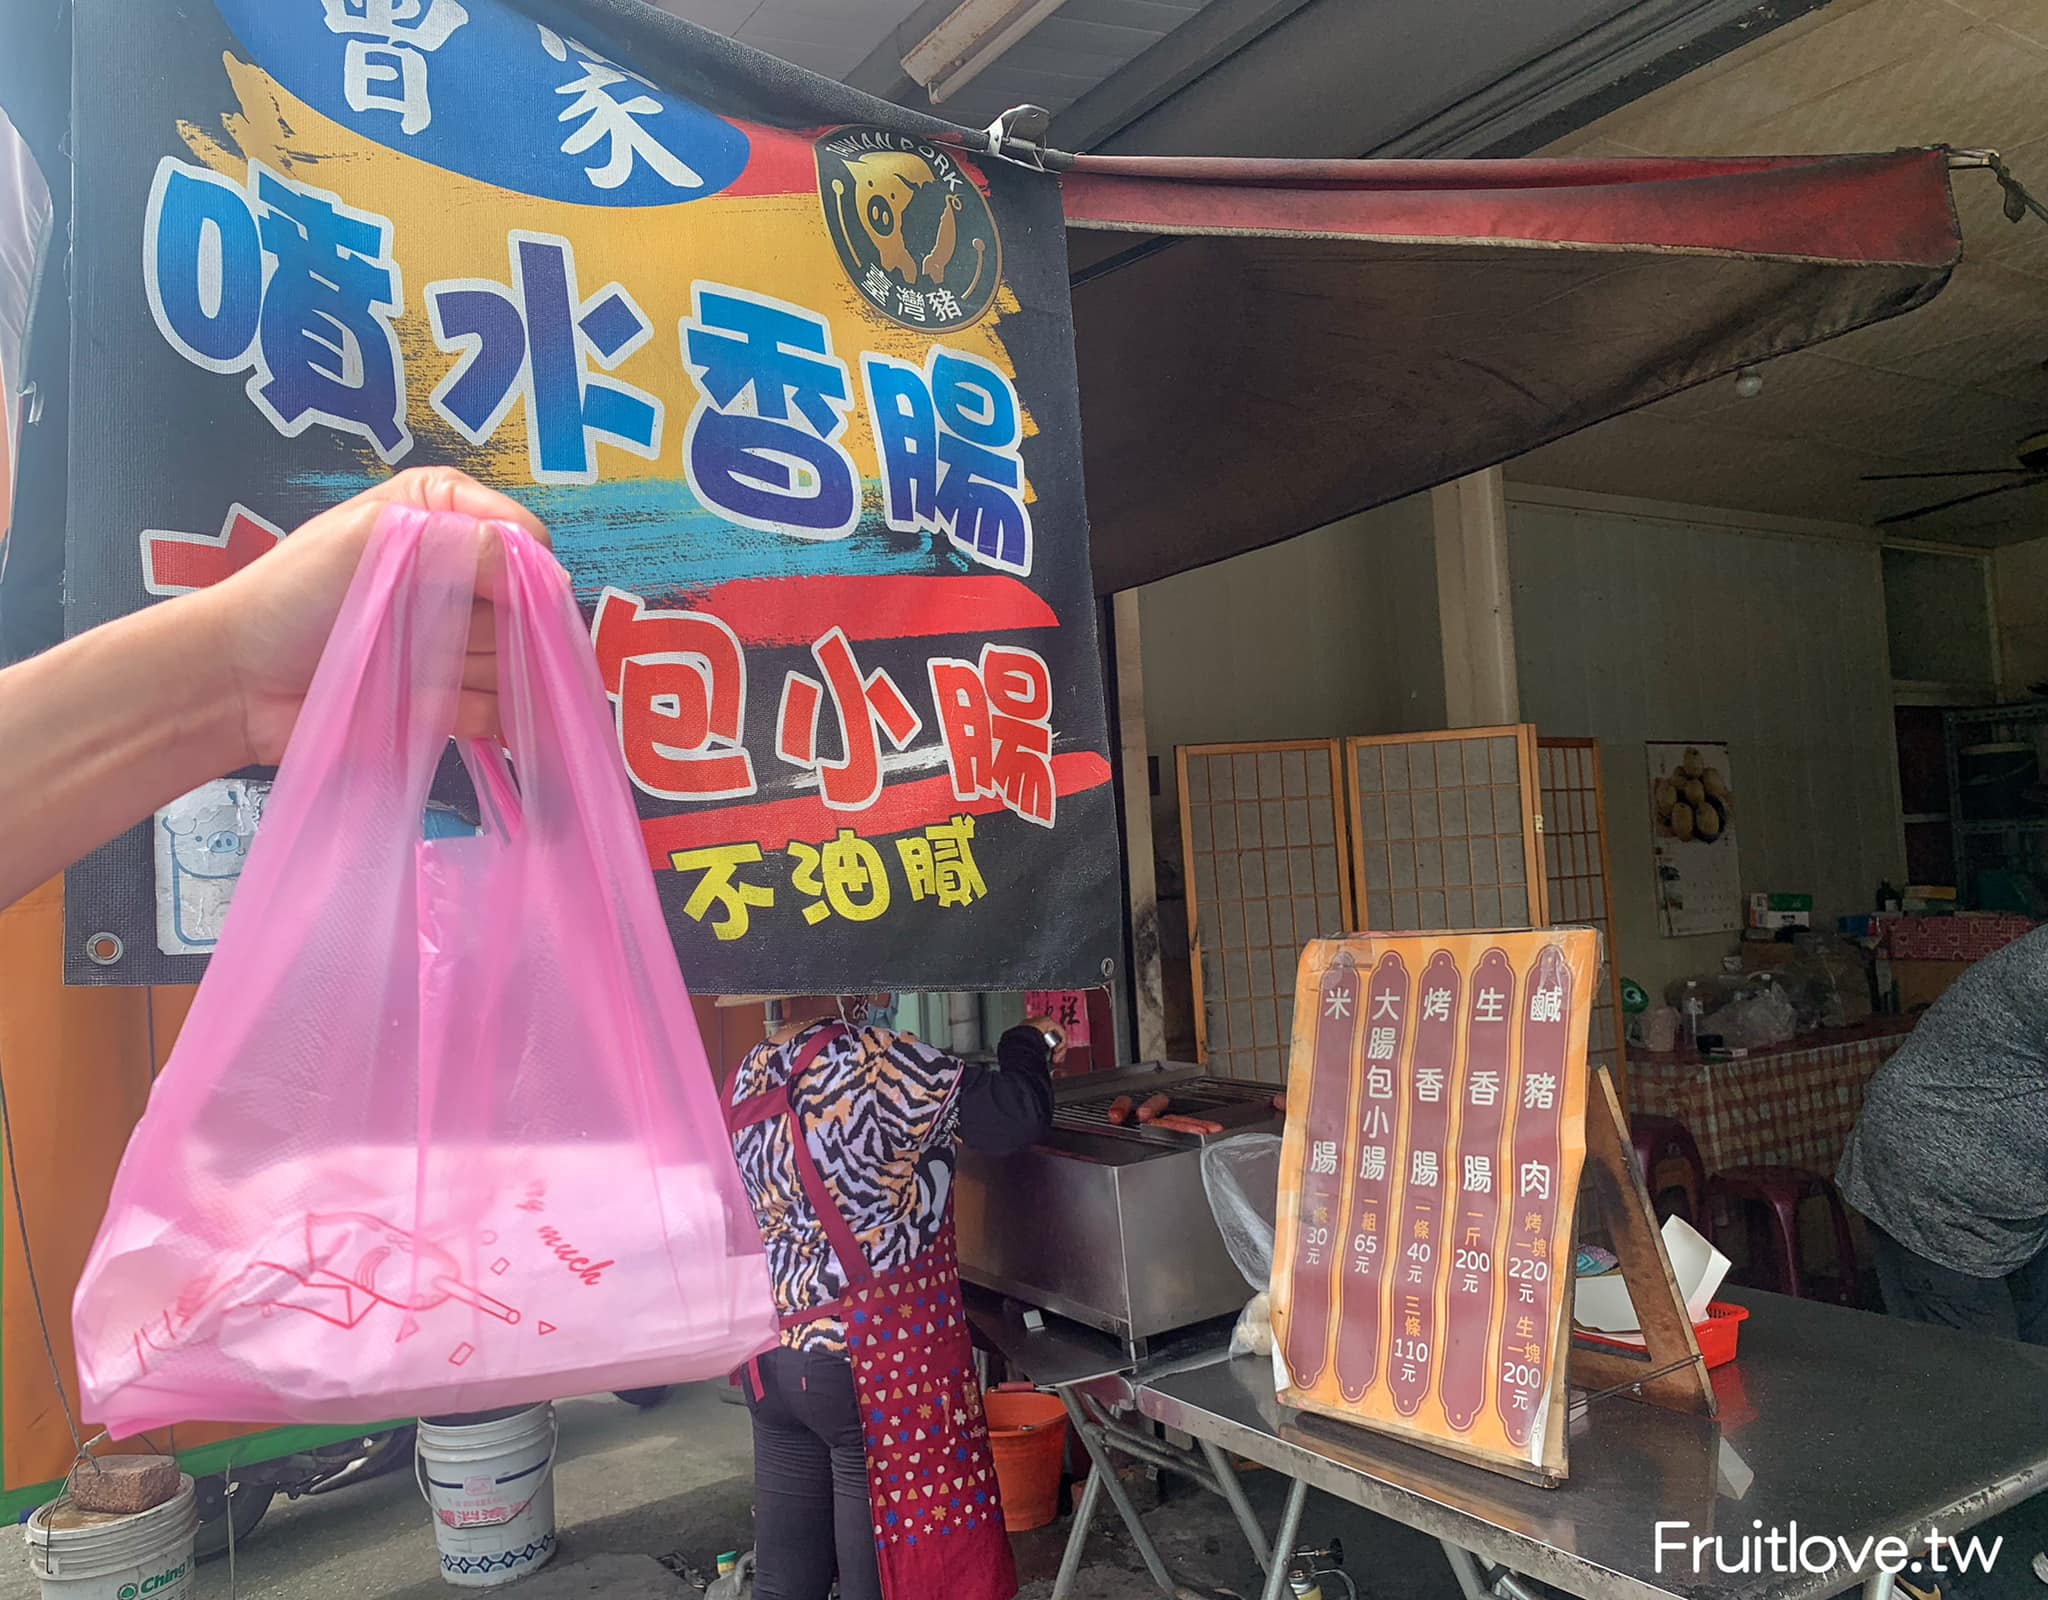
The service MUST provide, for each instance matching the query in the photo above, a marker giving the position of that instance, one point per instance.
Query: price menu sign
(1435, 1134)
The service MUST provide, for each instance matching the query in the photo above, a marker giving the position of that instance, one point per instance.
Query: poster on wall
(789, 372)
(1692, 838)
(1436, 1105)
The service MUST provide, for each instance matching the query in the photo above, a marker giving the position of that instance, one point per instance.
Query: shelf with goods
(1997, 756)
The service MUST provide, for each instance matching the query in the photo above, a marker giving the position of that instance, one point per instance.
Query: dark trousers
(811, 1517)
(2012, 1307)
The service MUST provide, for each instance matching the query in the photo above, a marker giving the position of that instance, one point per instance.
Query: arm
(1011, 1110)
(100, 731)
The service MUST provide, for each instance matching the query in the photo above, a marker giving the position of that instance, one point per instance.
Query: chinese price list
(1427, 1185)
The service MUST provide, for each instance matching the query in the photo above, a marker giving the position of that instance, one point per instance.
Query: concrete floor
(675, 1483)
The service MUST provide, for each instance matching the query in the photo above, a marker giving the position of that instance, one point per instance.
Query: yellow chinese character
(1532, 1352)
(854, 883)
(1413, 1327)
(717, 863)
(942, 863)
(1533, 1223)
(1422, 1227)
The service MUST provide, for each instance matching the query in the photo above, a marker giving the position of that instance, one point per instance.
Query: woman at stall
(871, 1456)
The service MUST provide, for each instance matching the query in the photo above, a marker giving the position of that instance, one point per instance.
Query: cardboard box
(1969, 936)
(1921, 983)
(1780, 910)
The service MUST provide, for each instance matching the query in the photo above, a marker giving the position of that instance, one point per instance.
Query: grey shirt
(1950, 1155)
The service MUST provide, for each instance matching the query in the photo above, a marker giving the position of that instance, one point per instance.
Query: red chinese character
(853, 782)
(679, 683)
(997, 721)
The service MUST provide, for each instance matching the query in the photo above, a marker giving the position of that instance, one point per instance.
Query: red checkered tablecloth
(1792, 1107)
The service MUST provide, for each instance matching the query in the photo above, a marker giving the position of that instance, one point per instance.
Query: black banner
(788, 372)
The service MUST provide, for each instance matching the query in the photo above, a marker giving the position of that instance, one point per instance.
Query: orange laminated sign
(1435, 1135)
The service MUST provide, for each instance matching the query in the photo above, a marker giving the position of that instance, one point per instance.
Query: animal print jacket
(880, 1112)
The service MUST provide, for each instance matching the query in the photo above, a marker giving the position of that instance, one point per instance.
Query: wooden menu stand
(1669, 1372)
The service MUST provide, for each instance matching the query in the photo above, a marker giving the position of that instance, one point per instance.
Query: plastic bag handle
(377, 715)
(383, 699)
(497, 795)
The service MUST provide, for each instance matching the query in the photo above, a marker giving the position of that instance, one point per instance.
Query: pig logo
(911, 225)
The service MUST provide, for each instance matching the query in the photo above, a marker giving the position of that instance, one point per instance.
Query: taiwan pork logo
(911, 226)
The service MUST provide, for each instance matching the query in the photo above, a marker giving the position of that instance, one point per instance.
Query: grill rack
(1224, 1100)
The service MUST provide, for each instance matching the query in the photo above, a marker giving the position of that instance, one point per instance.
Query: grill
(1109, 1224)
(1233, 1102)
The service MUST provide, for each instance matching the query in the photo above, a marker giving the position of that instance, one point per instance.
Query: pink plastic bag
(439, 1134)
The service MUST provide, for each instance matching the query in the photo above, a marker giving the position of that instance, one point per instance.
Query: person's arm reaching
(1004, 1111)
(102, 730)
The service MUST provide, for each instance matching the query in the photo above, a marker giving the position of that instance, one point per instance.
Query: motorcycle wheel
(371, 1457)
(244, 1502)
(644, 1399)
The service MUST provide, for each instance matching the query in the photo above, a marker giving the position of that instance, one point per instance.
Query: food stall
(1440, 316)
(1672, 1492)
(1796, 1441)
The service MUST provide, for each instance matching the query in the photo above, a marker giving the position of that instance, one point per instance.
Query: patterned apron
(931, 1478)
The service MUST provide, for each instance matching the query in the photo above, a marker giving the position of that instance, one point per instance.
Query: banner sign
(1428, 1185)
(788, 372)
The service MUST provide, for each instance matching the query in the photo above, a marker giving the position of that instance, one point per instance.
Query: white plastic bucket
(491, 1483)
(91, 1555)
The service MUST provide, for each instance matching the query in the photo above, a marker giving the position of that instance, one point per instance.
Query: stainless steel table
(1097, 1378)
(1850, 1425)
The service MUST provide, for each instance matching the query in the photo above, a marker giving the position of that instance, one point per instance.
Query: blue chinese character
(327, 350)
(288, 284)
(776, 464)
(538, 339)
(194, 214)
(947, 438)
(906, 425)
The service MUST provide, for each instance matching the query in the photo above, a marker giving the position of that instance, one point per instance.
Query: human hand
(272, 619)
(1055, 1037)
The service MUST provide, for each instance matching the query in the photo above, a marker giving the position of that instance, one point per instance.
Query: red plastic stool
(1661, 1142)
(1778, 1193)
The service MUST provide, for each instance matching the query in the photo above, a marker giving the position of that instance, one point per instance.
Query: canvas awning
(1266, 347)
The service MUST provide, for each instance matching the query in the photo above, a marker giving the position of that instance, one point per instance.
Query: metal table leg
(1879, 1586)
(1077, 1536)
(1241, 1508)
(1105, 1472)
(1471, 1581)
(1283, 1545)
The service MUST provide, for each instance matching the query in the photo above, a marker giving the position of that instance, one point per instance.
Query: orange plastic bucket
(1027, 1431)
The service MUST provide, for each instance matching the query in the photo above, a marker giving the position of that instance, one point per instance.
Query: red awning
(1268, 346)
